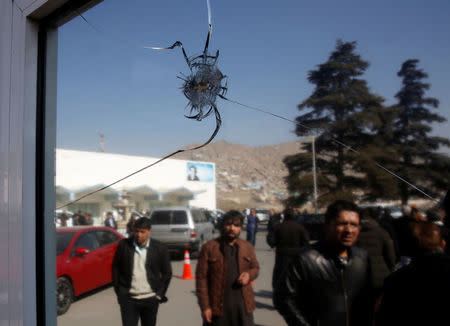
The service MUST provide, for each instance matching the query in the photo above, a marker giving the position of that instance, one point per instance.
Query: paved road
(101, 308)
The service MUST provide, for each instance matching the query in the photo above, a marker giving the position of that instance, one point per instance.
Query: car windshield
(395, 209)
(62, 241)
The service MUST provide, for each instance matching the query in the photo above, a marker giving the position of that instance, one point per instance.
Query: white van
(181, 228)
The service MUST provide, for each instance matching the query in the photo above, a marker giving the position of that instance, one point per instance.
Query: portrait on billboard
(200, 172)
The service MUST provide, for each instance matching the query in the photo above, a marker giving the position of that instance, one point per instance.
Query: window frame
(30, 60)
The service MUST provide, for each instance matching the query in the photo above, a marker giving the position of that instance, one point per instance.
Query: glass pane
(160, 217)
(62, 241)
(122, 106)
(179, 217)
(106, 238)
(87, 240)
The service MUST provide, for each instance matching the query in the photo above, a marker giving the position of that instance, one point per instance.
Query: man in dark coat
(85, 219)
(110, 221)
(417, 294)
(130, 225)
(141, 274)
(225, 268)
(328, 283)
(380, 248)
(288, 237)
(274, 219)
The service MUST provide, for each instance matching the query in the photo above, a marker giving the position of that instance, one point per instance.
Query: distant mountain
(247, 176)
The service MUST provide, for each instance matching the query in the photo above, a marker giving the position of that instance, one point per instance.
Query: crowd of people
(79, 218)
(366, 269)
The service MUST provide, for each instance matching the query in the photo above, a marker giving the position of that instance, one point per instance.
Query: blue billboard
(200, 172)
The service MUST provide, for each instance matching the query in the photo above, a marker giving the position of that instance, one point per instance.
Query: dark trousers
(133, 309)
(251, 234)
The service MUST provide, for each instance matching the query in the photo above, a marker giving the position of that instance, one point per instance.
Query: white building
(79, 173)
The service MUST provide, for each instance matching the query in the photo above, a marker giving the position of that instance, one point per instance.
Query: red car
(83, 263)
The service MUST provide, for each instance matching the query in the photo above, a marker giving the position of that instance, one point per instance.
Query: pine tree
(418, 157)
(335, 110)
(378, 154)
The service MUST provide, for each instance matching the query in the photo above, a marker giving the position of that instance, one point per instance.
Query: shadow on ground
(95, 291)
(260, 305)
(264, 294)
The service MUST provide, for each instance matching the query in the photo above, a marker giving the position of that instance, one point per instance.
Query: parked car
(396, 211)
(263, 215)
(83, 262)
(215, 217)
(181, 228)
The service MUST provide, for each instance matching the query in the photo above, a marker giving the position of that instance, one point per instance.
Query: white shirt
(140, 288)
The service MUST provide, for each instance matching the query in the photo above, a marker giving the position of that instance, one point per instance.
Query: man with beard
(328, 283)
(225, 268)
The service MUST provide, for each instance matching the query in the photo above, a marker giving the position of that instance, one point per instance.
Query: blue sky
(108, 83)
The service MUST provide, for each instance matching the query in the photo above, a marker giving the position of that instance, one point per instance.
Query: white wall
(80, 169)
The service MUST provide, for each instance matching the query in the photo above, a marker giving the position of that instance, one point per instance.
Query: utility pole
(312, 139)
(102, 143)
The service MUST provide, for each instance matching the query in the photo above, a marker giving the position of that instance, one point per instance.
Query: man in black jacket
(411, 294)
(328, 283)
(288, 237)
(110, 221)
(380, 248)
(141, 273)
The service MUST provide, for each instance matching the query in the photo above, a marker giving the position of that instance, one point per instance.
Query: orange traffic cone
(187, 275)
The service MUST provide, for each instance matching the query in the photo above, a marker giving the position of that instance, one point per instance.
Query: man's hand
(244, 278)
(207, 315)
